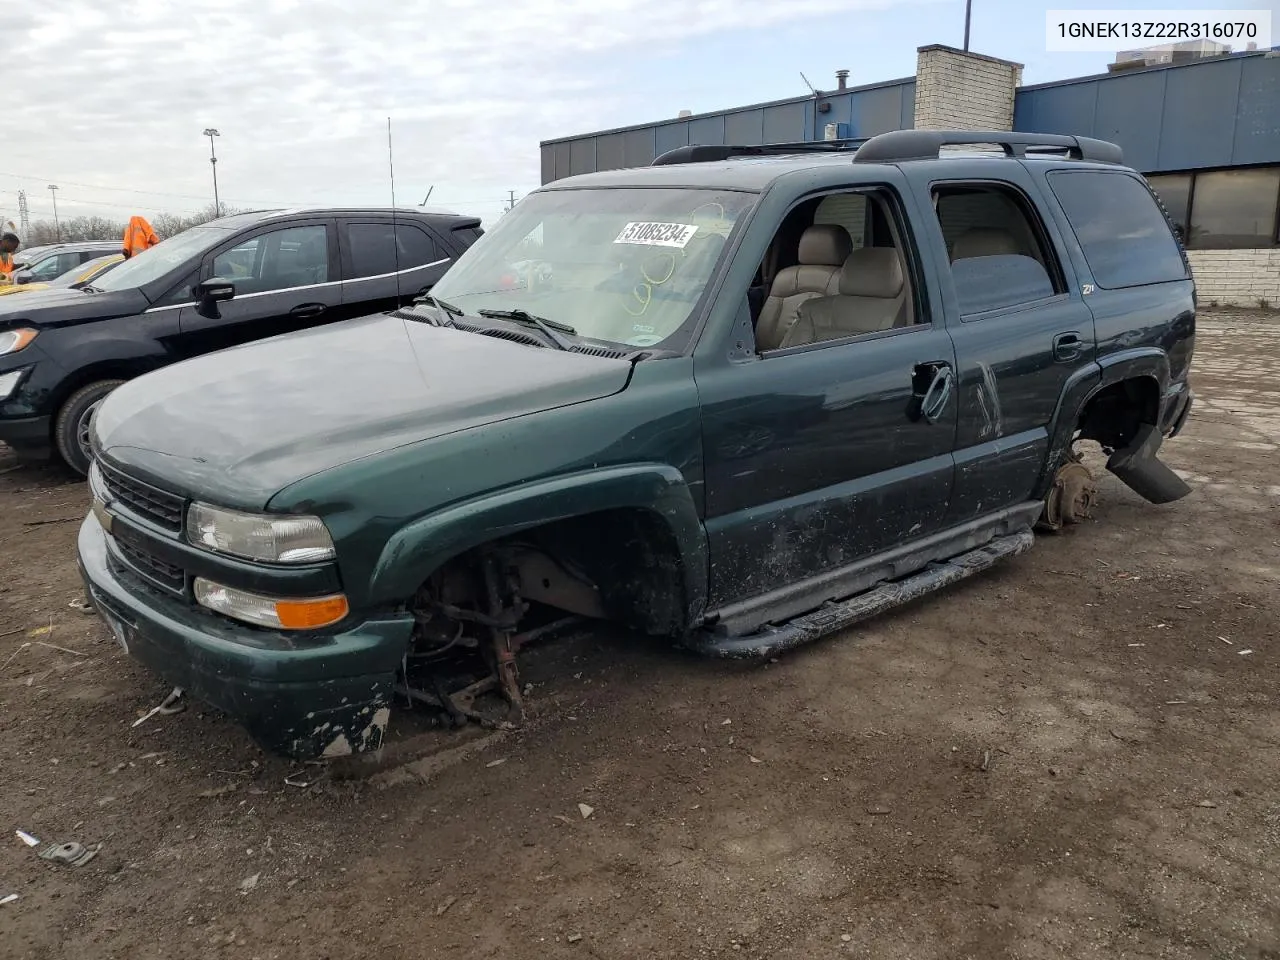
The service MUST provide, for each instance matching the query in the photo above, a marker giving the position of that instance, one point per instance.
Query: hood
(60, 306)
(235, 427)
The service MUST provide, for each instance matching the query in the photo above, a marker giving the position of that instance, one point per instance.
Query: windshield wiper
(89, 288)
(549, 327)
(446, 309)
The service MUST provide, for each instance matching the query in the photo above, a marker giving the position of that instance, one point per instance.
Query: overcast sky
(108, 100)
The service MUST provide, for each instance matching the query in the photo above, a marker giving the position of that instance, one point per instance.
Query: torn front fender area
(1143, 472)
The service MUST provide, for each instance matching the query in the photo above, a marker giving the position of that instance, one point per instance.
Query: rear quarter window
(1125, 236)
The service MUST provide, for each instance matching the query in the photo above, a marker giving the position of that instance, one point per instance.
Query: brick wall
(964, 91)
(1237, 278)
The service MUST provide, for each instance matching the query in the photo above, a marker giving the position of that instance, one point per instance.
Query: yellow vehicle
(76, 277)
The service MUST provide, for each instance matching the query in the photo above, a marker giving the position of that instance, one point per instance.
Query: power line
(115, 206)
(99, 186)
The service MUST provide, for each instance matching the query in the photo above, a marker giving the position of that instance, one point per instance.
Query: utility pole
(24, 215)
(511, 200)
(968, 13)
(210, 132)
(57, 227)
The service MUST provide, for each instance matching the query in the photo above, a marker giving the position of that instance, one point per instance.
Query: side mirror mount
(214, 290)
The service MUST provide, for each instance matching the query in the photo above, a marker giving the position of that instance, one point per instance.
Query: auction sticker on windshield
(658, 234)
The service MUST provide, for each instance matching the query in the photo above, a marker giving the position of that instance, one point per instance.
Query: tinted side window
(468, 235)
(373, 248)
(293, 257)
(1126, 239)
(999, 257)
(54, 266)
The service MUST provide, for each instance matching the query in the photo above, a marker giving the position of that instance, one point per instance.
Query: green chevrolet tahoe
(741, 398)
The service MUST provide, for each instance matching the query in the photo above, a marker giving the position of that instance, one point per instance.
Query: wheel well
(622, 564)
(1114, 414)
(103, 370)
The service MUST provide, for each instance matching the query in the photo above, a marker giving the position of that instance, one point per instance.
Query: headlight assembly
(11, 341)
(273, 538)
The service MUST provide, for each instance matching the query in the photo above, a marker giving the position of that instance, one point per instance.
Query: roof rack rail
(901, 145)
(709, 153)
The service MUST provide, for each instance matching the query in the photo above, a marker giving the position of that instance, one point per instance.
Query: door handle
(1067, 346)
(933, 404)
(307, 310)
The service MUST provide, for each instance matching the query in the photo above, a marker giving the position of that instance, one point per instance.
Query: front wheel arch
(655, 491)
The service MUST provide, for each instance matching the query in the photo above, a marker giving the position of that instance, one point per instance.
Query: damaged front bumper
(302, 696)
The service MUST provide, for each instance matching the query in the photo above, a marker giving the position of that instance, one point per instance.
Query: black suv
(233, 280)
(736, 399)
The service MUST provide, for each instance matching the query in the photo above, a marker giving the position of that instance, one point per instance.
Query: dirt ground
(1073, 756)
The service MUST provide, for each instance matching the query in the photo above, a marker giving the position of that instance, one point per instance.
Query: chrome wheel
(82, 429)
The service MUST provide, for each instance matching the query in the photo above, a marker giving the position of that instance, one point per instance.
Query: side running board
(838, 615)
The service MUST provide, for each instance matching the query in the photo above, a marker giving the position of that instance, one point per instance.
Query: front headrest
(984, 242)
(872, 272)
(824, 245)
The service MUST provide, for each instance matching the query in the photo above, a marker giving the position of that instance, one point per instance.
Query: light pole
(57, 227)
(210, 132)
(968, 12)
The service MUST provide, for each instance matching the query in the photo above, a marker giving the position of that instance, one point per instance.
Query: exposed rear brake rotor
(1071, 498)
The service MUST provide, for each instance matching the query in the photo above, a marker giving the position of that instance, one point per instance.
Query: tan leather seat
(823, 250)
(872, 297)
(984, 242)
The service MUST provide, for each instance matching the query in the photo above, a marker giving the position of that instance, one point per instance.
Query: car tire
(71, 429)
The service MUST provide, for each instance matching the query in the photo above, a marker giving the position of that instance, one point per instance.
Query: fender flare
(1084, 385)
(415, 551)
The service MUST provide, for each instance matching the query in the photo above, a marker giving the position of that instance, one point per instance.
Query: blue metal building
(1207, 134)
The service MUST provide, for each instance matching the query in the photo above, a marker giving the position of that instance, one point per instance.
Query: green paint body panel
(415, 443)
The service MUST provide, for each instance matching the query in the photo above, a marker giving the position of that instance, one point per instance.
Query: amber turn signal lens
(310, 614)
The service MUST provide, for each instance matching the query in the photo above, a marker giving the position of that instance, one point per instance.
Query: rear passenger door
(285, 280)
(1021, 329)
(385, 263)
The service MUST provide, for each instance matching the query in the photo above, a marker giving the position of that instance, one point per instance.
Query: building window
(1174, 191)
(1235, 209)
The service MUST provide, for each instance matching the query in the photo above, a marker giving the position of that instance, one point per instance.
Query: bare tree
(100, 228)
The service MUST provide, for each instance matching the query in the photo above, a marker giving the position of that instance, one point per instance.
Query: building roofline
(1131, 71)
(902, 81)
(968, 53)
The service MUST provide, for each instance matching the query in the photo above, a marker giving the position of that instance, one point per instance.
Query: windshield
(158, 260)
(621, 265)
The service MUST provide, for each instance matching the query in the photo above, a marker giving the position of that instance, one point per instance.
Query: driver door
(286, 279)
